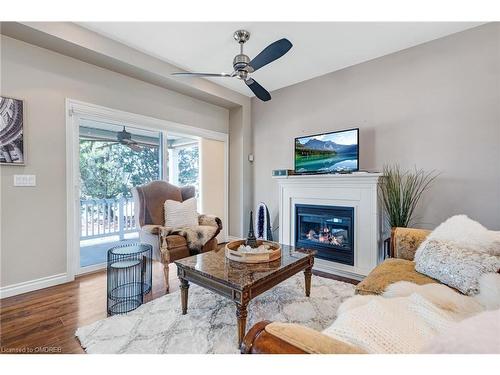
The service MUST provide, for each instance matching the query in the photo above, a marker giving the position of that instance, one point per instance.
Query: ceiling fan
(243, 66)
(125, 138)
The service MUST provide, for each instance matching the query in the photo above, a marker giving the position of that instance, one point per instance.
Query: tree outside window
(109, 171)
(188, 167)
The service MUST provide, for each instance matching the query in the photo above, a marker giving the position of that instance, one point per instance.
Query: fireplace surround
(327, 229)
(356, 192)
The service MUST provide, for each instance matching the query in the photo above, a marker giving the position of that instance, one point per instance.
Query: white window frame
(75, 110)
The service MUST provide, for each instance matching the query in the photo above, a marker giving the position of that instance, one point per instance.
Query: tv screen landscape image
(334, 152)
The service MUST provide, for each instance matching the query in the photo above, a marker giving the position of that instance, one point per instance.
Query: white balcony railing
(106, 217)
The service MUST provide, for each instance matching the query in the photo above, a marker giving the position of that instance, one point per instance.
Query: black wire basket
(129, 276)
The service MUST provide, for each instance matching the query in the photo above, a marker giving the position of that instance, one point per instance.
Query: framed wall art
(11, 131)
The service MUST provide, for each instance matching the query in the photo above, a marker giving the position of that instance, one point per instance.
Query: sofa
(149, 200)
(267, 337)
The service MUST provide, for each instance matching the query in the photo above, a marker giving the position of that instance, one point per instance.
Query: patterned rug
(210, 324)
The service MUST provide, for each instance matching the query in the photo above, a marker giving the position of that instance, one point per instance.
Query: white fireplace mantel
(357, 190)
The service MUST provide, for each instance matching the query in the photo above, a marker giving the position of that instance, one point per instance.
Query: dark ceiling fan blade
(107, 145)
(259, 91)
(186, 74)
(134, 147)
(272, 52)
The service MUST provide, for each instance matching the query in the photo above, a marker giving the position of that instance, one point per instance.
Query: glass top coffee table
(241, 282)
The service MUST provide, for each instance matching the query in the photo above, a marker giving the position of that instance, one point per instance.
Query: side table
(129, 277)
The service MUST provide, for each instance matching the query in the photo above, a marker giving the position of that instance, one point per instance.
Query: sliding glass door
(109, 152)
(113, 159)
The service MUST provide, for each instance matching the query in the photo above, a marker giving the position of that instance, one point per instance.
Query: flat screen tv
(335, 152)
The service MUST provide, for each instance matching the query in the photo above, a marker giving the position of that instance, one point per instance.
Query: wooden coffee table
(241, 282)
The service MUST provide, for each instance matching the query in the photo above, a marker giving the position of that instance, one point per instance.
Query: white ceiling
(318, 48)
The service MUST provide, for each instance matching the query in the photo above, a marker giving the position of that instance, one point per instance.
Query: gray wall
(240, 170)
(72, 40)
(33, 241)
(434, 106)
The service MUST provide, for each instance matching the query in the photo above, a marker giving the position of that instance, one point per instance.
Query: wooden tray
(232, 252)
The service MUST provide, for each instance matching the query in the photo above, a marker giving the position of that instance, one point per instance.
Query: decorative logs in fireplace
(327, 229)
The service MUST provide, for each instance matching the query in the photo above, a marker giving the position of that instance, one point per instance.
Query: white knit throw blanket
(392, 325)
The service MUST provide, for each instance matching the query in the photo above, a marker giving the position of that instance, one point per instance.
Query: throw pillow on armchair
(181, 214)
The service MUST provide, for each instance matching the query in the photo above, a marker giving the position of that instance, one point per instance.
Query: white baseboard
(91, 269)
(337, 269)
(29, 286)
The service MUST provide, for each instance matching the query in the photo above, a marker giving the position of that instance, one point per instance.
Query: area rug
(210, 324)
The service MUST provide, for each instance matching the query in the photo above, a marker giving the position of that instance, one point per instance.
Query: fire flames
(324, 235)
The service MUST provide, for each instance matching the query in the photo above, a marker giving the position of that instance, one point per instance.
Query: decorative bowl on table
(266, 251)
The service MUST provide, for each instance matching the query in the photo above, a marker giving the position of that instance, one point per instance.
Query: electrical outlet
(24, 180)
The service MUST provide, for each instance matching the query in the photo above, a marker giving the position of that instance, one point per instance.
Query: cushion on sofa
(454, 265)
(388, 272)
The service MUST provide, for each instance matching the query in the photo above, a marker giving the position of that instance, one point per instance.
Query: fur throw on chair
(196, 236)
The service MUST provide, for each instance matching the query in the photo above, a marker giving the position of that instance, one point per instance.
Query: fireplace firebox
(327, 229)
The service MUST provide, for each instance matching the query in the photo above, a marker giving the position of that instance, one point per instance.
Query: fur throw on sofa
(408, 316)
(467, 233)
(475, 335)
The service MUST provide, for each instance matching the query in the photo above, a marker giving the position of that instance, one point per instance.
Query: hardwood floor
(46, 320)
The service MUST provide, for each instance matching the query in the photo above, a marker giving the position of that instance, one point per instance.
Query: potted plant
(400, 193)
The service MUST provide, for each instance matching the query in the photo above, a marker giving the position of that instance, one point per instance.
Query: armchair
(149, 202)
